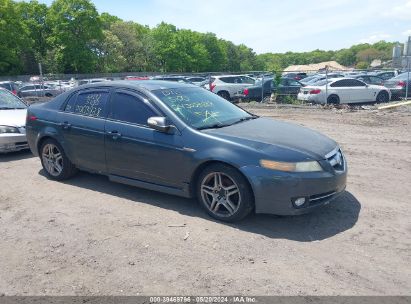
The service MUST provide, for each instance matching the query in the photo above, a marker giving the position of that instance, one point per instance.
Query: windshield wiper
(245, 119)
(221, 125)
(214, 126)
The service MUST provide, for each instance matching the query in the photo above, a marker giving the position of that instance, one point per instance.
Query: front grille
(336, 159)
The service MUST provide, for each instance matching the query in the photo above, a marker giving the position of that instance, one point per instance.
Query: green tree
(74, 27)
(33, 19)
(13, 38)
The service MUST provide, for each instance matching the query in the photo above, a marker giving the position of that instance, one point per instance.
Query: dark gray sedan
(183, 140)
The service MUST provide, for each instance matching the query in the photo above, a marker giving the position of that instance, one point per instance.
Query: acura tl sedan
(12, 122)
(181, 139)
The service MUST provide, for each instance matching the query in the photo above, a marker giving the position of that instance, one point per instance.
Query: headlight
(308, 166)
(7, 129)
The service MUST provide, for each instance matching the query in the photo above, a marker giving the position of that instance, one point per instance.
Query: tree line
(70, 36)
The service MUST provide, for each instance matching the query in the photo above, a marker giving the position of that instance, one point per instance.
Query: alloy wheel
(52, 159)
(220, 194)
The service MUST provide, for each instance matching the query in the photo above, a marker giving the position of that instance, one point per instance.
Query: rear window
(6, 86)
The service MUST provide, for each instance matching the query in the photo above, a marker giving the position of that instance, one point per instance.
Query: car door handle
(115, 134)
(65, 125)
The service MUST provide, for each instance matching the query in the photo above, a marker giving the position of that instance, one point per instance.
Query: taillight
(14, 92)
(212, 86)
(297, 78)
(315, 91)
(31, 118)
(401, 84)
(246, 92)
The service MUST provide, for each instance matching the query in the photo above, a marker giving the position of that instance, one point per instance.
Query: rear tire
(224, 95)
(55, 162)
(382, 97)
(224, 193)
(333, 99)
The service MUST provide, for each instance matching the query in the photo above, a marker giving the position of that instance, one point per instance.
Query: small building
(315, 67)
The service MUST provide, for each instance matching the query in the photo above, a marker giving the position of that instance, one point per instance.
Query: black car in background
(398, 85)
(295, 76)
(286, 87)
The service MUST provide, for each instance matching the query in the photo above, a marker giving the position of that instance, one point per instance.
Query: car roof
(149, 85)
(217, 76)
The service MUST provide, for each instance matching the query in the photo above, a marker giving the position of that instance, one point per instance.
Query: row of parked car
(348, 87)
(344, 87)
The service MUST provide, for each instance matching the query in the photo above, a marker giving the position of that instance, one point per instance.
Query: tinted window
(376, 80)
(26, 88)
(196, 79)
(245, 79)
(91, 103)
(228, 79)
(82, 82)
(292, 82)
(71, 103)
(130, 108)
(6, 86)
(348, 83)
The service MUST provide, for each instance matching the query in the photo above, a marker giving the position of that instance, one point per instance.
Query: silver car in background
(38, 90)
(13, 113)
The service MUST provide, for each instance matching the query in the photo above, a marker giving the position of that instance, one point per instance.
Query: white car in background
(344, 90)
(227, 86)
(13, 113)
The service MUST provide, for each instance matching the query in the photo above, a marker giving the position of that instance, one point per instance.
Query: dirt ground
(88, 236)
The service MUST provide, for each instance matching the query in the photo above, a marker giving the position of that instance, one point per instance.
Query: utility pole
(41, 79)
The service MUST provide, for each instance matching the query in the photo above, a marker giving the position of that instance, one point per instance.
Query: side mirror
(159, 124)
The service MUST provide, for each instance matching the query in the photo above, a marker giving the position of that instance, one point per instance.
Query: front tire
(55, 162)
(382, 97)
(224, 193)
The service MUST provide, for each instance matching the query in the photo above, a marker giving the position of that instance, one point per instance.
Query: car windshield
(9, 101)
(202, 109)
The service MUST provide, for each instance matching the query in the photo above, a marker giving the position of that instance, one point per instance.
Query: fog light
(299, 201)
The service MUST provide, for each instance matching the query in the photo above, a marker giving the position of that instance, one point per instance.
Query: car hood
(271, 137)
(13, 118)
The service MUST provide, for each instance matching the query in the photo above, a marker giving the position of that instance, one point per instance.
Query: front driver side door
(134, 150)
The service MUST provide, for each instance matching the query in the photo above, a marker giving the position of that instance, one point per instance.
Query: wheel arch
(201, 167)
(224, 91)
(333, 95)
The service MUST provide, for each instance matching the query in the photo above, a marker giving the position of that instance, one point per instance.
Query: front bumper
(11, 142)
(275, 191)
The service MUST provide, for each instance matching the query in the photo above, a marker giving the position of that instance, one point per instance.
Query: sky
(273, 25)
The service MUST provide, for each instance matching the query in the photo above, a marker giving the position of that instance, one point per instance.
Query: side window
(376, 80)
(227, 79)
(71, 103)
(130, 108)
(355, 83)
(294, 83)
(245, 79)
(91, 103)
(338, 84)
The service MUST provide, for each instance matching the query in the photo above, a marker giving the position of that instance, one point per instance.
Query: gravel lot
(88, 236)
